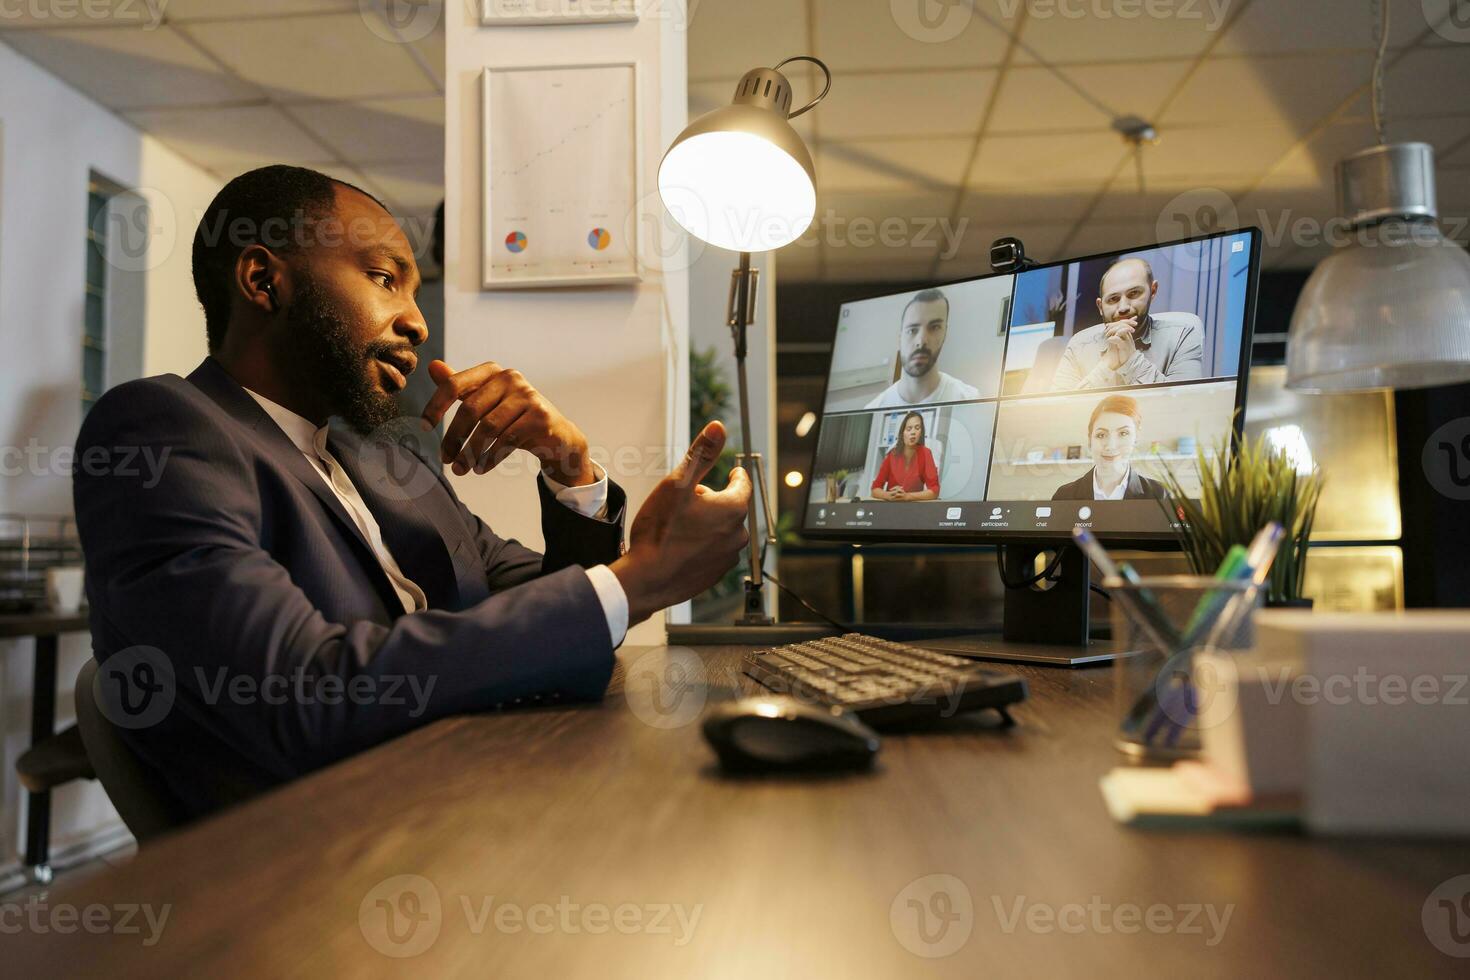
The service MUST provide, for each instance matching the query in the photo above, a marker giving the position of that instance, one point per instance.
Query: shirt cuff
(1133, 371)
(614, 601)
(1100, 376)
(589, 500)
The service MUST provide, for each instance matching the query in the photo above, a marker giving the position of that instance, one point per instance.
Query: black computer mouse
(783, 734)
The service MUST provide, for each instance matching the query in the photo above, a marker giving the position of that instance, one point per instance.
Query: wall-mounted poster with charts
(561, 176)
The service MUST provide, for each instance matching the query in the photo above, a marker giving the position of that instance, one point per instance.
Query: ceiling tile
(419, 25)
(1065, 32)
(1002, 207)
(1427, 81)
(1457, 157)
(763, 32)
(910, 205)
(1311, 164)
(1304, 180)
(1294, 90)
(902, 228)
(1447, 134)
(892, 164)
(231, 140)
(1241, 151)
(1435, 13)
(852, 264)
(1043, 159)
(31, 15)
(1034, 99)
(858, 35)
(382, 130)
(413, 188)
(1452, 187)
(1313, 25)
(1291, 218)
(947, 103)
(323, 57)
(1042, 241)
(1454, 203)
(127, 69)
(1177, 209)
(1093, 237)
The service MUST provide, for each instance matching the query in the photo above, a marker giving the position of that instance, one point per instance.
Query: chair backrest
(140, 796)
(1044, 368)
(936, 449)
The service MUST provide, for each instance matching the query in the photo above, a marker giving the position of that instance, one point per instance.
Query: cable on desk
(807, 605)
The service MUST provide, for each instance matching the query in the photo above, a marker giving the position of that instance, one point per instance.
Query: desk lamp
(741, 178)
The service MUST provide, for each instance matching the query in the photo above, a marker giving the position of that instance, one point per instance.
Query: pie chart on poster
(516, 241)
(599, 238)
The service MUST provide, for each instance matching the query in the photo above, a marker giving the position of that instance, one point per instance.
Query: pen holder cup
(1160, 684)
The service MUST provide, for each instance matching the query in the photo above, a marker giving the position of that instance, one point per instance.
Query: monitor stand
(1046, 626)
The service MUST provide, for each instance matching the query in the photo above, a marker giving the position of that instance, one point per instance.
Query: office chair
(1044, 368)
(140, 796)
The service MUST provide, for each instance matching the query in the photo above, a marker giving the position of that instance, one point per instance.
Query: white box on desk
(1387, 699)
(1250, 732)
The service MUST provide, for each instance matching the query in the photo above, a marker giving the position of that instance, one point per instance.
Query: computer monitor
(1037, 401)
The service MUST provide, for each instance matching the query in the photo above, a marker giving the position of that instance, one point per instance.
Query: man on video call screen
(921, 334)
(1133, 345)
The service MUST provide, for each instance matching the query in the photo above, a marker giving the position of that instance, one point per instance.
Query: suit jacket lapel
(1135, 486)
(212, 379)
(417, 543)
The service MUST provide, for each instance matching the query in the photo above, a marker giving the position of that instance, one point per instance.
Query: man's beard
(929, 365)
(341, 369)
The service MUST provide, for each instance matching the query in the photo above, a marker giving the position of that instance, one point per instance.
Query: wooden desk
(46, 627)
(596, 806)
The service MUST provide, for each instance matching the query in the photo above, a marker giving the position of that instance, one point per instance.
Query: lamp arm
(827, 72)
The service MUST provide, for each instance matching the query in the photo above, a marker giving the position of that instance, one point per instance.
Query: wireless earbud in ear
(270, 290)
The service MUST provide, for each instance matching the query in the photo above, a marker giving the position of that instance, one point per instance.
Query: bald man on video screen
(1132, 346)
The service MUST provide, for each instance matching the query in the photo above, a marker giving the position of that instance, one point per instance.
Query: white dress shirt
(1098, 493)
(589, 501)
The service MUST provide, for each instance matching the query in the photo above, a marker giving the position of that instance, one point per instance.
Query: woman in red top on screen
(908, 471)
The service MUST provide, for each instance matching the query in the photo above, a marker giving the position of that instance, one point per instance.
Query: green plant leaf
(1237, 499)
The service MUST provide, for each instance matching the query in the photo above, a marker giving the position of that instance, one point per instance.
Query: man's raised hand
(686, 536)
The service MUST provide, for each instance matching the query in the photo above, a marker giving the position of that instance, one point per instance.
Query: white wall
(52, 137)
(615, 360)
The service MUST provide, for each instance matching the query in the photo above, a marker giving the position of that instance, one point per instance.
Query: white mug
(64, 588)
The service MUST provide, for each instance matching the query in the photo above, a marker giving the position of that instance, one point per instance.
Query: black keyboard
(883, 682)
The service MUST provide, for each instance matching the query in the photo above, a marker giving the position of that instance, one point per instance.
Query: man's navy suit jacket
(235, 562)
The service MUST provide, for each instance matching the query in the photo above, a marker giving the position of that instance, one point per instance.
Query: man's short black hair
(269, 206)
(926, 296)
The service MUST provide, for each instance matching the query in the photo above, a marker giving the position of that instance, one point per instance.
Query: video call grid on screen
(1054, 397)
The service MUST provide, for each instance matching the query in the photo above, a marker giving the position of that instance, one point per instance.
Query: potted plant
(835, 479)
(1236, 499)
